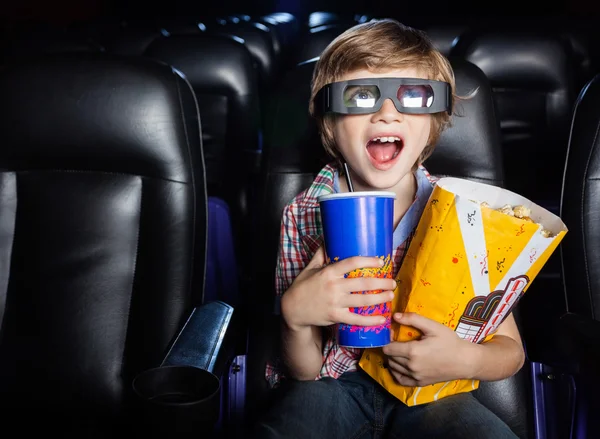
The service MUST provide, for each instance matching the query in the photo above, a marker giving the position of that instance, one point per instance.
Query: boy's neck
(406, 192)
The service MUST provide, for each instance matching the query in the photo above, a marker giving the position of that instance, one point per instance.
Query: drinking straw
(348, 180)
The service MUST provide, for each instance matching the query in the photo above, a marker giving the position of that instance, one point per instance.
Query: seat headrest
(320, 18)
(290, 24)
(540, 60)
(317, 39)
(284, 30)
(291, 139)
(470, 148)
(180, 26)
(258, 39)
(213, 64)
(444, 37)
(97, 112)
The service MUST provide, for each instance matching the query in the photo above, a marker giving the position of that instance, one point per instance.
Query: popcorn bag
(476, 250)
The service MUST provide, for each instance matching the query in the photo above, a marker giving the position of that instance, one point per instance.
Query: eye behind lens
(361, 96)
(415, 96)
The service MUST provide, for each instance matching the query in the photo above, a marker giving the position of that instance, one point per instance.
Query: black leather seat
(260, 41)
(258, 38)
(322, 18)
(444, 36)
(179, 25)
(580, 43)
(580, 207)
(293, 156)
(287, 24)
(532, 75)
(580, 210)
(221, 72)
(313, 41)
(102, 235)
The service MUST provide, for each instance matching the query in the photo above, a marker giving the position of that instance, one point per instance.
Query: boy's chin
(386, 181)
(383, 184)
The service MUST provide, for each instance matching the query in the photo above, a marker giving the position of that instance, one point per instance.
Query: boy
(384, 126)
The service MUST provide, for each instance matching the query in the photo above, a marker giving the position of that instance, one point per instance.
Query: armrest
(206, 339)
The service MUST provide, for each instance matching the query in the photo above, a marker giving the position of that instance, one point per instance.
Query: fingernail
(393, 284)
(398, 315)
(391, 295)
(380, 262)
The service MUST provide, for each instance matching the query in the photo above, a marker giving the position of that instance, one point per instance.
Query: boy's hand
(438, 355)
(321, 295)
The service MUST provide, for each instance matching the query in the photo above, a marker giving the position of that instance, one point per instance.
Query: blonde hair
(379, 45)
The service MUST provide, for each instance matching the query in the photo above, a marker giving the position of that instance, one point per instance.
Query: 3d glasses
(363, 96)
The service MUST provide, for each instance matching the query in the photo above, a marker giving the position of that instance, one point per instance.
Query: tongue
(382, 152)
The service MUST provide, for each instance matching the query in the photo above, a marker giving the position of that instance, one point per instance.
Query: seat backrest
(102, 230)
(532, 76)
(294, 155)
(580, 206)
(221, 72)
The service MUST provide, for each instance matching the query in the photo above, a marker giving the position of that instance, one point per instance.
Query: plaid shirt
(300, 237)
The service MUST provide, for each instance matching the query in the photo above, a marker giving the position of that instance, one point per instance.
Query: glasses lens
(415, 96)
(361, 96)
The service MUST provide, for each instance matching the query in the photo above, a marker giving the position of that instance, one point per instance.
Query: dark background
(68, 11)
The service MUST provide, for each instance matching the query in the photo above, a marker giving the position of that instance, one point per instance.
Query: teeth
(386, 139)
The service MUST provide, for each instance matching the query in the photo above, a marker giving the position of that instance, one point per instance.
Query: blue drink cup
(361, 224)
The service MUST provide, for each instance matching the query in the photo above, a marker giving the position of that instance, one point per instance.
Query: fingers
(358, 284)
(404, 380)
(398, 367)
(398, 352)
(350, 264)
(401, 372)
(350, 318)
(359, 300)
(425, 325)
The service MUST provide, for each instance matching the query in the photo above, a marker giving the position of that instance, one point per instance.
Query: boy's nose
(388, 113)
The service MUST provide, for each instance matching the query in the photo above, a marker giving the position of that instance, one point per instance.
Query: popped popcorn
(521, 212)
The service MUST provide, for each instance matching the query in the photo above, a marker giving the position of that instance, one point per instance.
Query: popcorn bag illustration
(475, 252)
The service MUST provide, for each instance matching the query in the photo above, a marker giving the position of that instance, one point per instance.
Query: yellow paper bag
(466, 267)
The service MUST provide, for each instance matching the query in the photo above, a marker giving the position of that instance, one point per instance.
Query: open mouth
(384, 150)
